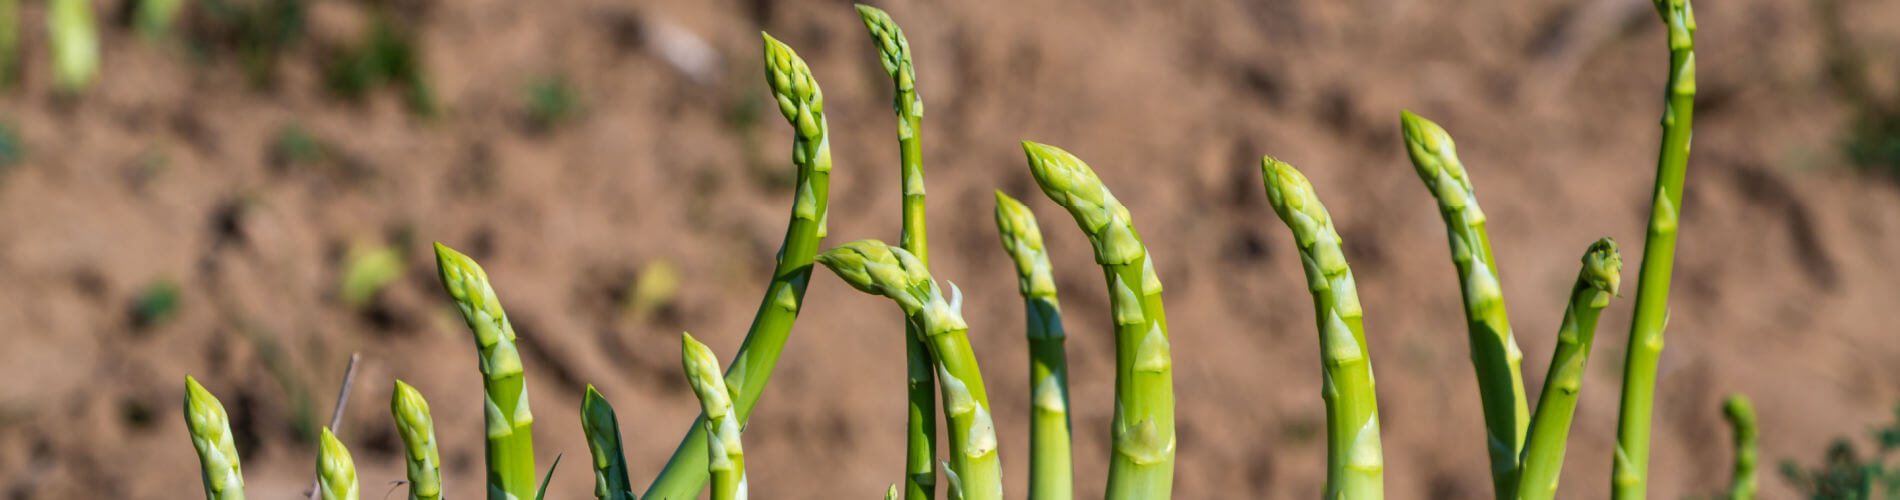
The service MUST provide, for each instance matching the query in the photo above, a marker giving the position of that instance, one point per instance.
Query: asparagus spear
(74, 42)
(727, 467)
(1741, 417)
(920, 477)
(803, 104)
(1543, 459)
(1050, 467)
(603, 441)
(9, 42)
(1630, 474)
(210, 431)
(510, 423)
(1494, 353)
(876, 268)
(1355, 468)
(418, 440)
(1143, 426)
(336, 472)
(891, 494)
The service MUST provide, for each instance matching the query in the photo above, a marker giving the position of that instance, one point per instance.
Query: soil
(165, 172)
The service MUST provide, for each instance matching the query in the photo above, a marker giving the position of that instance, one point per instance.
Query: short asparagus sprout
(210, 431)
(417, 429)
(1544, 452)
(1355, 466)
(336, 472)
(1051, 467)
(727, 467)
(1741, 419)
(510, 447)
(891, 494)
(603, 442)
(75, 44)
(9, 42)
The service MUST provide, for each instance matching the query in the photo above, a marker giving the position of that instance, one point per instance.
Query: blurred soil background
(250, 199)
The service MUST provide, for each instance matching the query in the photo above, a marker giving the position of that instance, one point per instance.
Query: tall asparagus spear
(1143, 427)
(920, 478)
(1544, 452)
(418, 440)
(210, 431)
(1630, 474)
(603, 442)
(1355, 467)
(1050, 466)
(727, 466)
(1741, 418)
(876, 268)
(802, 104)
(336, 472)
(1494, 353)
(510, 423)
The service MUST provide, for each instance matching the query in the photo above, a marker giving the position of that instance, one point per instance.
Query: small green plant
(9, 42)
(1846, 474)
(154, 305)
(552, 100)
(387, 55)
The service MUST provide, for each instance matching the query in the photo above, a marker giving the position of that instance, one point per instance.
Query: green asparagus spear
(1355, 467)
(1050, 466)
(1143, 426)
(891, 494)
(803, 104)
(1494, 353)
(9, 42)
(1544, 452)
(920, 478)
(211, 434)
(876, 268)
(510, 447)
(336, 472)
(1741, 417)
(75, 44)
(1630, 475)
(603, 441)
(154, 18)
(418, 440)
(727, 466)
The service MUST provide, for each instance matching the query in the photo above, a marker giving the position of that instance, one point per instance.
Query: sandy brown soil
(1784, 288)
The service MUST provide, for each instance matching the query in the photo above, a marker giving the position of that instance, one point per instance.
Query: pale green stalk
(802, 104)
(510, 447)
(876, 268)
(1494, 353)
(920, 475)
(210, 431)
(417, 429)
(9, 42)
(1741, 419)
(727, 466)
(1630, 474)
(154, 18)
(1355, 466)
(336, 472)
(603, 442)
(1543, 458)
(1050, 465)
(1142, 466)
(74, 39)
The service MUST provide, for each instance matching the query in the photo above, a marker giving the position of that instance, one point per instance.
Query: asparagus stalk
(1143, 426)
(336, 472)
(1741, 418)
(920, 478)
(1050, 466)
(1630, 473)
(1543, 459)
(75, 43)
(9, 42)
(603, 441)
(1494, 353)
(1355, 468)
(876, 268)
(727, 467)
(210, 431)
(510, 448)
(802, 104)
(418, 440)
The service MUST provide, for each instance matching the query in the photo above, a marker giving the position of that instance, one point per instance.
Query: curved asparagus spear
(920, 475)
(1741, 417)
(727, 467)
(1143, 433)
(603, 442)
(210, 431)
(510, 447)
(1544, 452)
(1494, 353)
(418, 440)
(336, 472)
(803, 104)
(1630, 474)
(876, 268)
(1355, 466)
(1050, 465)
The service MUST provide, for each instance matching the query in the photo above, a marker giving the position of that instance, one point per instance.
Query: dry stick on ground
(336, 413)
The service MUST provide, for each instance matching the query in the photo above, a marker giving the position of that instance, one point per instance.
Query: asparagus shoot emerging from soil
(9, 42)
(877, 268)
(1143, 425)
(920, 475)
(210, 431)
(1741, 418)
(1543, 459)
(891, 494)
(75, 44)
(603, 442)
(1494, 353)
(1630, 475)
(510, 447)
(336, 472)
(1050, 466)
(1355, 467)
(418, 442)
(802, 104)
(727, 465)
